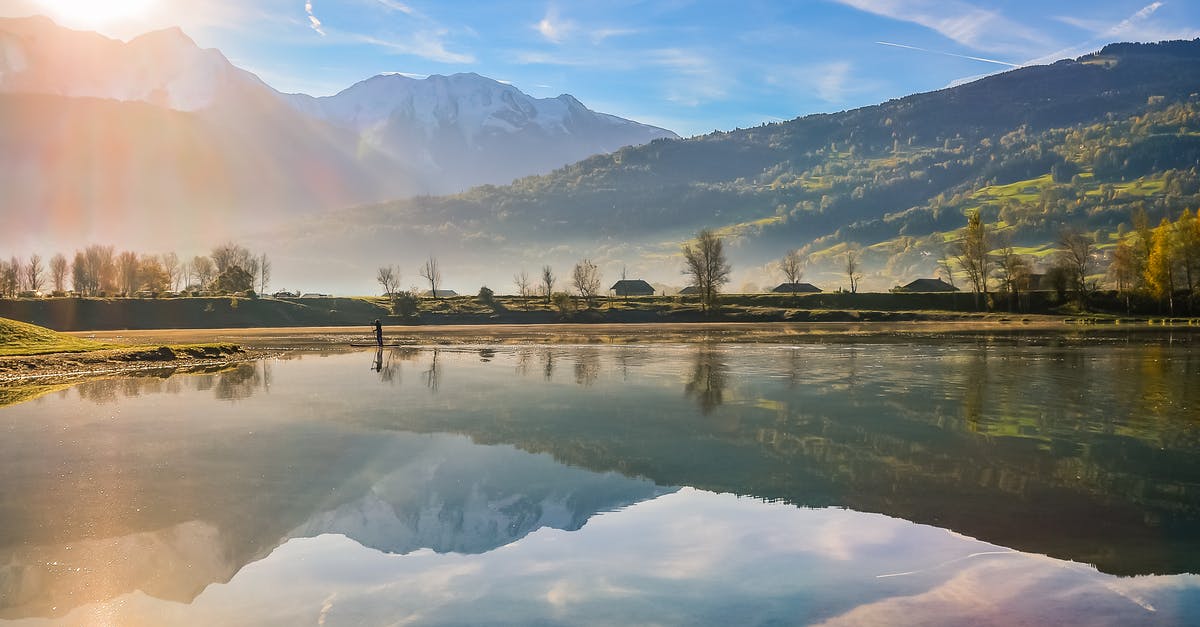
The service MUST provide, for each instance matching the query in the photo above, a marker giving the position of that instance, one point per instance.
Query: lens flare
(96, 12)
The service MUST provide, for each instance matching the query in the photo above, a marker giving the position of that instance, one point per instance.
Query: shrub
(486, 295)
(563, 302)
(404, 304)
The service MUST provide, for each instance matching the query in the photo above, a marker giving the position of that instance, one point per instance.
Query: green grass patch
(19, 338)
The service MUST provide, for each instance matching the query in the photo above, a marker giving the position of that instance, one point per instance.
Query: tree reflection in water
(708, 380)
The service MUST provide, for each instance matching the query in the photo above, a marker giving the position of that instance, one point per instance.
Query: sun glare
(97, 12)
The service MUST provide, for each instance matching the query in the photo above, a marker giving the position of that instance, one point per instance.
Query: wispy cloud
(693, 78)
(429, 44)
(833, 82)
(397, 6)
(948, 54)
(962, 22)
(1140, 26)
(312, 19)
(553, 27)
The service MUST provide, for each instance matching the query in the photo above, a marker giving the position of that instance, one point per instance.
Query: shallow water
(921, 483)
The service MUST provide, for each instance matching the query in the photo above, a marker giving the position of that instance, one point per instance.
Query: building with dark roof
(928, 285)
(690, 290)
(796, 288)
(632, 287)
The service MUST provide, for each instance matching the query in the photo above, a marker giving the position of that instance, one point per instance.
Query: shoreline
(146, 348)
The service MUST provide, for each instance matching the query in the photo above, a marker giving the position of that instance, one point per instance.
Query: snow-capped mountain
(98, 136)
(164, 68)
(465, 129)
(451, 495)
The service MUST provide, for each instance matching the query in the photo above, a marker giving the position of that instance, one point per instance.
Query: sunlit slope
(1081, 141)
(19, 338)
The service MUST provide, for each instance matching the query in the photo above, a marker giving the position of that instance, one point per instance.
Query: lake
(972, 481)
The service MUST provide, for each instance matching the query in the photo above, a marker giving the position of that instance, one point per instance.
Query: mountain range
(1082, 142)
(156, 144)
(158, 139)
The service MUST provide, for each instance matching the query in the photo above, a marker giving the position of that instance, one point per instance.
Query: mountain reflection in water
(167, 485)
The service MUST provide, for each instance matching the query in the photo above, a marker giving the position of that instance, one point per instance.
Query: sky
(692, 66)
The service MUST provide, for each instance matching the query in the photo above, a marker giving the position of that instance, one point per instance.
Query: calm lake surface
(959, 482)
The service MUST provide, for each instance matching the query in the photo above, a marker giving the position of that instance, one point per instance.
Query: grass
(19, 339)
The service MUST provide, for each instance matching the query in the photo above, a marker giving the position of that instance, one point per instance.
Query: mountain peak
(173, 35)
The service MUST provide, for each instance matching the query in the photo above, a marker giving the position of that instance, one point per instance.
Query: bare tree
(432, 273)
(35, 273)
(80, 279)
(853, 271)
(127, 271)
(388, 278)
(704, 261)
(152, 275)
(58, 272)
(971, 253)
(792, 267)
(204, 269)
(547, 283)
(231, 254)
(586, 279)
(102, 266)
(1014, 274)
(10, 277)
(264, 273)
(170, 266)
(1075, 254)
(521, 280)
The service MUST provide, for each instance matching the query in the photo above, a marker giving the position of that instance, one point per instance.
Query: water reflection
(707, 382)
(1090, 454)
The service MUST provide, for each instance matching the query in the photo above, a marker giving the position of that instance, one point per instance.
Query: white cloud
(397, 6)
(832, 82)
(425, 44)
(553, 27)
(959, 21)
(312, 19)
(1140, 26)
(693, 80)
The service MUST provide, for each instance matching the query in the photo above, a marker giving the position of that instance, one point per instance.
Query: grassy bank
(19, 338)
(101, 314)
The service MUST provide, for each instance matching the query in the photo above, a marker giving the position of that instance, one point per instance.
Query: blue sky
(690, 66)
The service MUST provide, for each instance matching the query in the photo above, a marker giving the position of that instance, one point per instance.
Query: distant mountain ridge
(156, 137)
(1084, 142)
(443, 125)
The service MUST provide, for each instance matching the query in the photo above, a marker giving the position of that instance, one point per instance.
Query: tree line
(100, 270)
(704, 261)
(1161, 263)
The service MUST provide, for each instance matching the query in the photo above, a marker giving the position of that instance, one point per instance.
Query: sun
(97, 12)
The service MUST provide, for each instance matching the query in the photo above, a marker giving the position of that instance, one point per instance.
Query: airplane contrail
(948, 54)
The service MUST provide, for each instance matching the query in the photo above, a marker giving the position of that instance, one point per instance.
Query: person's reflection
(548, 364)
(708, 380)
(433, 375)
(377, 365)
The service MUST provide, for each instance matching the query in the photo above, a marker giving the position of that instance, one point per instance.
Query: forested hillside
(1082, 142)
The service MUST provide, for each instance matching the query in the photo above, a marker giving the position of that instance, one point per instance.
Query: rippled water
(929, 483)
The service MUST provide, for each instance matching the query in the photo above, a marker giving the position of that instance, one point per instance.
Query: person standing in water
(378, 334)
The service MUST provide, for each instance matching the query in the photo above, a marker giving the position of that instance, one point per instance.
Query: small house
(690, 290)
(632, 287)
(796, 288)
(439, 294)
(928, 285)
